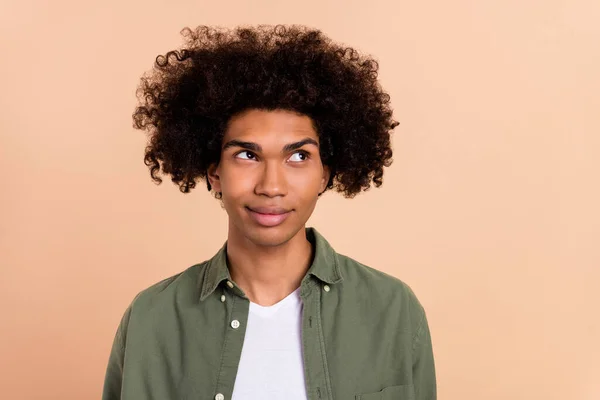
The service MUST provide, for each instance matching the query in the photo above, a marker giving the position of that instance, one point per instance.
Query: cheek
(236, 181)
(306, 182)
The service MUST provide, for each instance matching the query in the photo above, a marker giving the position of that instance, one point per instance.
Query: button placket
(318, 385)
(237, 308)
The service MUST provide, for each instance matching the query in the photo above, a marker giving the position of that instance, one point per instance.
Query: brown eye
(249, 155)
(303, 156)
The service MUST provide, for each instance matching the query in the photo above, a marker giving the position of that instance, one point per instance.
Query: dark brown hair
(187, 100)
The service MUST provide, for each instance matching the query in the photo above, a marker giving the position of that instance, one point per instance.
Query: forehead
(265, 126)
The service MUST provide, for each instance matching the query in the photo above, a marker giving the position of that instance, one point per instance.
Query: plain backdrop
(489, 212)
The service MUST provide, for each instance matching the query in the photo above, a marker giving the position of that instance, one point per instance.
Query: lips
(268, 216)
(269, 210)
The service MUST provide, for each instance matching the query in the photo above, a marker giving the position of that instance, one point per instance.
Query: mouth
(268, 216)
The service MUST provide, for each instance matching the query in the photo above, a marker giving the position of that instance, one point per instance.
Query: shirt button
(222, 298)
(230, 284)
(219, 396)
(235, 324)
(326, 288)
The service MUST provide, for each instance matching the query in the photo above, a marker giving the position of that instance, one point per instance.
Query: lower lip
(268, 219)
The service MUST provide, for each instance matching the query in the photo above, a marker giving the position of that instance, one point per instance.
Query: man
(271, 119)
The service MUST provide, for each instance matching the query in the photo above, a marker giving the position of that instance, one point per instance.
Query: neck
(268, 274)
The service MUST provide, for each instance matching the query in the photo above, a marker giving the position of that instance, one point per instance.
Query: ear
(212, 174)
(325, 178)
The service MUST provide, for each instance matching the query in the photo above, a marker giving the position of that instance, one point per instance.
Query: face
(270, 175)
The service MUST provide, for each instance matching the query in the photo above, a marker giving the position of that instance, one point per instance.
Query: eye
(299, 156)
(249, 155)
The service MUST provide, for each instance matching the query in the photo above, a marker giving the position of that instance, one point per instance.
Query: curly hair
(186, 102)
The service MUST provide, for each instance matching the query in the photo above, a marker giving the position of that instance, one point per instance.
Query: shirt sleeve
(424, 380)
(114, 371)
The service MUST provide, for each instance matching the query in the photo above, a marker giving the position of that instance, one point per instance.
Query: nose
(272, 180)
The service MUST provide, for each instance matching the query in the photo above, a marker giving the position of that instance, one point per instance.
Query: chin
(270, 237)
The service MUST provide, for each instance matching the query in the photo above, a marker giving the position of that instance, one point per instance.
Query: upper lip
(269, 210)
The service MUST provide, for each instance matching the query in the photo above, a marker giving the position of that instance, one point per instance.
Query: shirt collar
(324, 267)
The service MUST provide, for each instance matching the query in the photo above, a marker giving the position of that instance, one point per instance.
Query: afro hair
(186, 101)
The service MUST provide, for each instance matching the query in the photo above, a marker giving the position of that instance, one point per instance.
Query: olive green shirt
(364, 335)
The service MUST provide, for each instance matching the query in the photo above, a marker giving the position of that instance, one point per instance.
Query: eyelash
(303, 152)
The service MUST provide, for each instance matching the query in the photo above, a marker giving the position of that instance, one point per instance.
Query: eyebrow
(256, 147)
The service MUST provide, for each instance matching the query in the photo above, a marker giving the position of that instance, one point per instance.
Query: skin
(257, 170)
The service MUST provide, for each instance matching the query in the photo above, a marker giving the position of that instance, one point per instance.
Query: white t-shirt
(271, 364)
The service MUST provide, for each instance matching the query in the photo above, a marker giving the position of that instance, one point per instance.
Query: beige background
(490, 210)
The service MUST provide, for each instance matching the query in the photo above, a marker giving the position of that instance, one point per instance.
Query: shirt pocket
(400, 392)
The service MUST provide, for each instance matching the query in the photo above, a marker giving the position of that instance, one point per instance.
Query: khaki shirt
(364, 335)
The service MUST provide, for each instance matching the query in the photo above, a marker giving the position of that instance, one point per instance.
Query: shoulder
(379, 288)
(180, 287)
(355, 272)
(155, 299)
